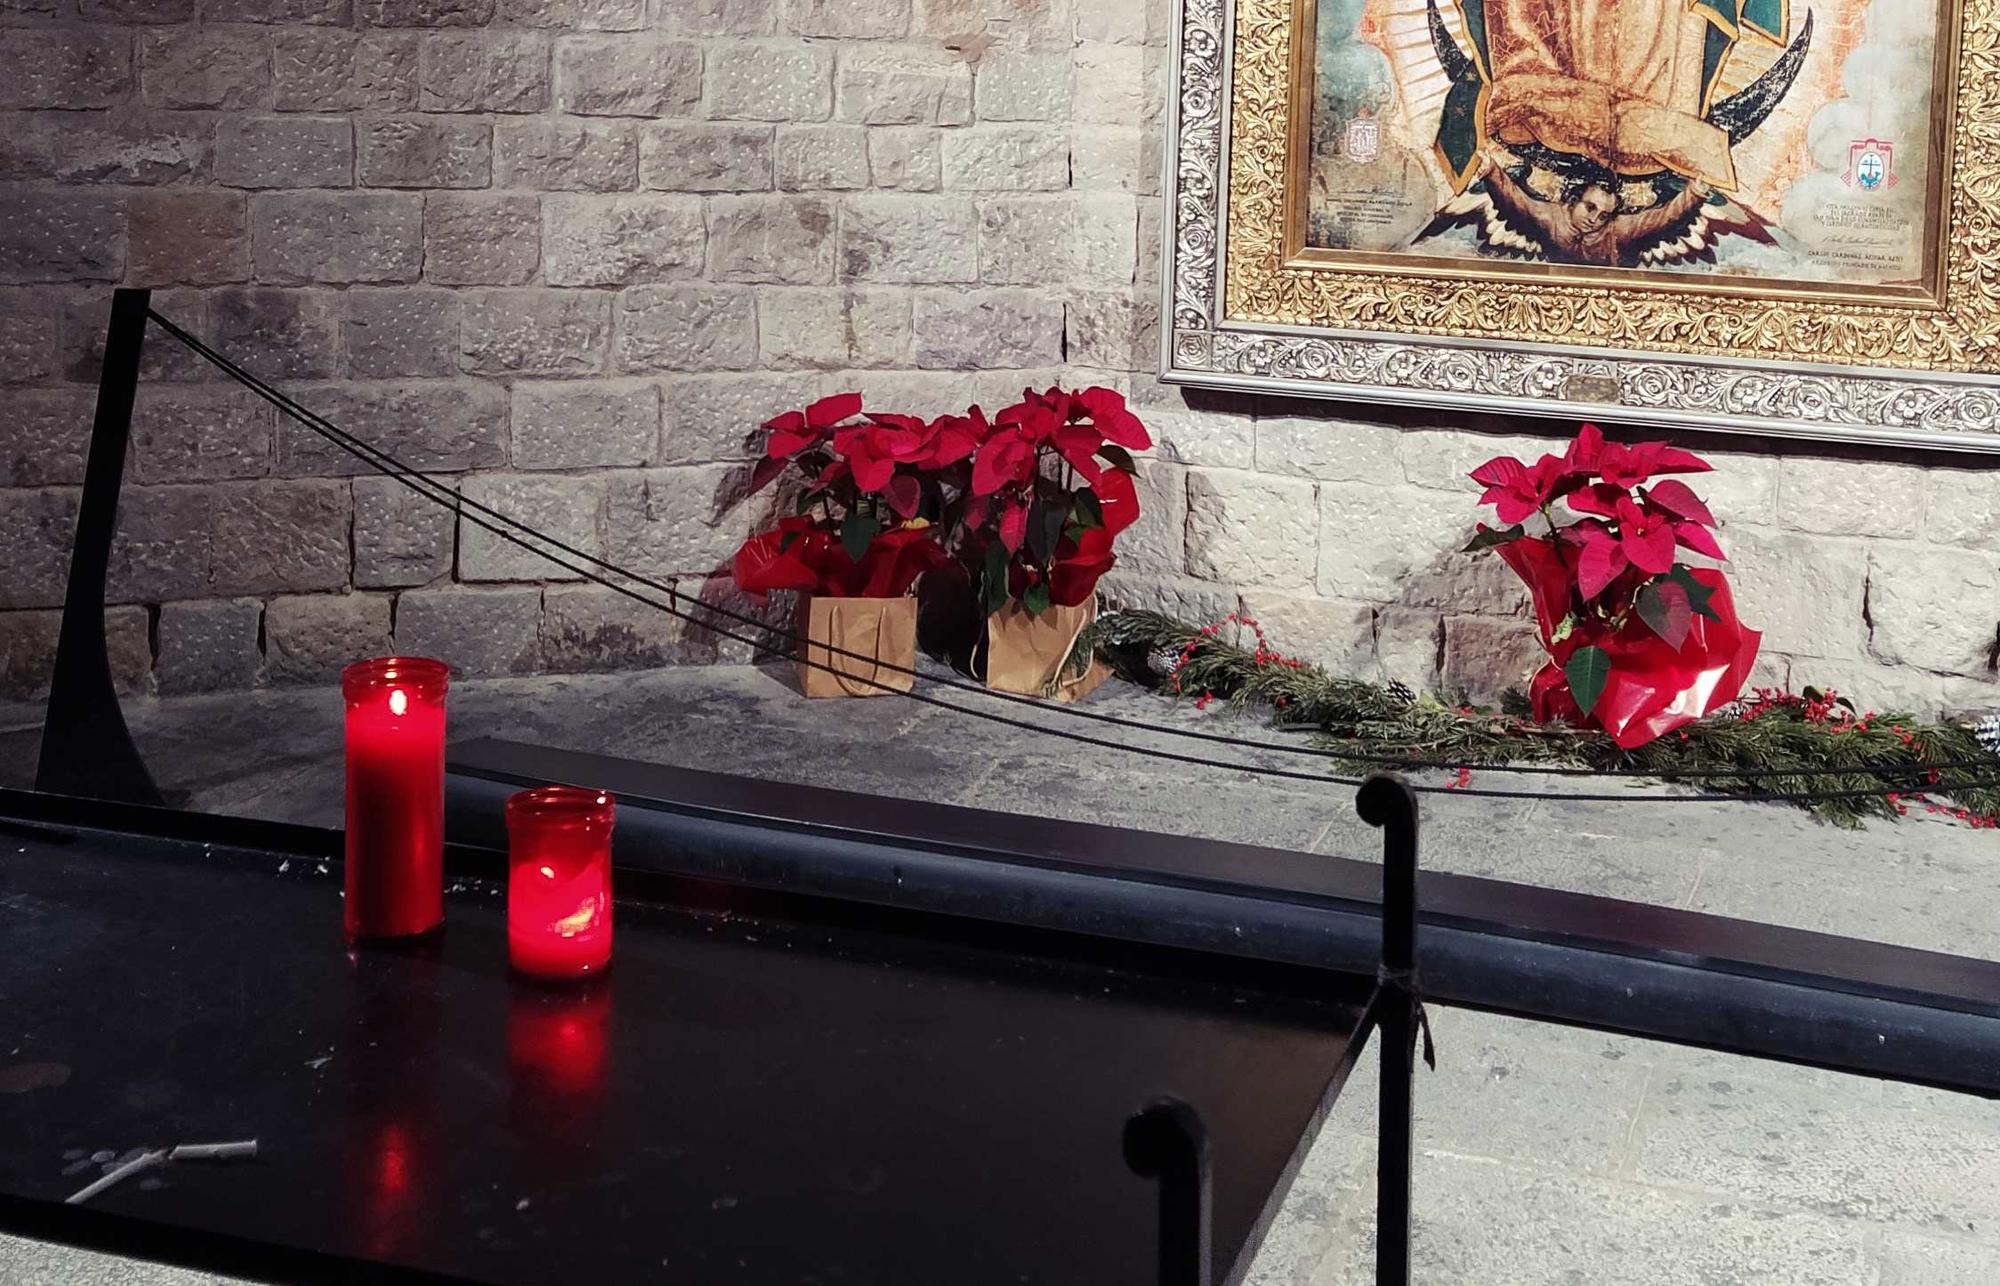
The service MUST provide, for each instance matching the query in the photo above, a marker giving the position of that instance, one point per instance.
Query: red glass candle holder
(395, 795)
(559, 881)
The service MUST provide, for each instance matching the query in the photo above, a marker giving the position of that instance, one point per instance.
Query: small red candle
(395, 795)
(559, 881)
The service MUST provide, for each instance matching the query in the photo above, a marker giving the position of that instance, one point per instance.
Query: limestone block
(585, 424)
(1248, 529)
(36, 528)
(697, 156)
(311, 638)
(437, 426)
(779, 240)
(273, 537)
(718, 417)
(686, 328)
(627, 75)
(393, 333)
(559, 154)
(425, 152)
(909, 239)
(44, 435)
(200, 238)
(905, 159)
(401, 538)
(337, 238)
(343, 71)
(1934, 608)
(1022, 85)
(667, 521)
(1850, 497)
(68, 69)
(834, 329)
(1485, 656)
(61, 235)
(1805, 594)
(481, 238)
(190, 67)
(198, 433)
(277, 334)
(1005, 158)
(1964, 508)
(620, 240)
(284, 152)
(478, 632)
(1324, 631)
(817, 158)
(535, 332)
(485, 72)
(568, 508)
(749, 82)
(848, 19)
(903, 85)
(987, 329)
(208, 645)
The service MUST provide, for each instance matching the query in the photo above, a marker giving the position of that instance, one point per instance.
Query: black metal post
(1386, 801)
(1168, 1141)
(86, 747)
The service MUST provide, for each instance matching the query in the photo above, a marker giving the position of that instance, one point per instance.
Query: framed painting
(1774, 216)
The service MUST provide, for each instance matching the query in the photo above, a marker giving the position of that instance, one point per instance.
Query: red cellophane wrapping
(1653, 688)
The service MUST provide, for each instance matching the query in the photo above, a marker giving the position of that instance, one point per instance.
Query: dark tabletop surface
(758, 1091)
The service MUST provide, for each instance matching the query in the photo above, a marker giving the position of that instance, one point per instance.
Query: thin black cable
(438, 493)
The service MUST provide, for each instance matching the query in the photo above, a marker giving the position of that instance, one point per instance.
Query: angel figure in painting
(1587, 131)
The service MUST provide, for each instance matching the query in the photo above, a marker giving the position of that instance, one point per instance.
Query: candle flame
(397, 701)
(579, 920)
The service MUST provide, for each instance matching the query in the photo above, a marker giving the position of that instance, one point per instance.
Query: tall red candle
(559, 881)
(395, 795)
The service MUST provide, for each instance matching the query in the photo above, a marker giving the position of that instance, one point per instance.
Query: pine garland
(1361, 723)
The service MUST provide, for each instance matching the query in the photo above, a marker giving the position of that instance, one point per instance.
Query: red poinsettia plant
(1640, 642)
(1050, 489)
(864, 524)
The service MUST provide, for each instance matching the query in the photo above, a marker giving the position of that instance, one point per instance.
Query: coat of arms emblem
(1870, 165)
(1364, 138)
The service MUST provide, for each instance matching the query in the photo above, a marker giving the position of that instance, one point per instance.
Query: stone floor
(1548, 1155)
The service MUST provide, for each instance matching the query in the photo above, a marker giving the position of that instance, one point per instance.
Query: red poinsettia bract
(1640, 643)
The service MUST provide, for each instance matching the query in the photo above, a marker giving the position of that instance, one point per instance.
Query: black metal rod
(1386, 801)
(1168, 1141)
(86, 747)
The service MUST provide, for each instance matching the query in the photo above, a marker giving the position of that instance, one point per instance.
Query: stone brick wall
(568, 252)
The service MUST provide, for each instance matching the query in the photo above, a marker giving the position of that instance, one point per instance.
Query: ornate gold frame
(1251, 306)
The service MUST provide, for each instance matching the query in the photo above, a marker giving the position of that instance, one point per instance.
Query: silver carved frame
(1200, 346)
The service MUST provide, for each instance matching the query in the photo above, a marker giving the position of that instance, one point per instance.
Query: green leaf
(1698, 593)
(1664, 607)
(1119, 458)
(785, 541)
(1036, 600)
(993, 581)
(1089, 510)
(855, 533)
(1588, 670)
(808, 499)
(1564, 628)
(1489, 537)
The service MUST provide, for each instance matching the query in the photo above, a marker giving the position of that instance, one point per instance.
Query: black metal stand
(86, 747)
(1386, 801)
(1167, 1141)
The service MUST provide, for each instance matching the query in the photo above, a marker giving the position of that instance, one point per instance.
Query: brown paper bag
(1024, 653)
(884, 629)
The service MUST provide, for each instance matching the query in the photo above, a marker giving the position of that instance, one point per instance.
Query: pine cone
(1402, 691)
(1987, 730)
(1163, 661)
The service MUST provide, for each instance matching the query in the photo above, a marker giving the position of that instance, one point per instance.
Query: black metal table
(766, 1087)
